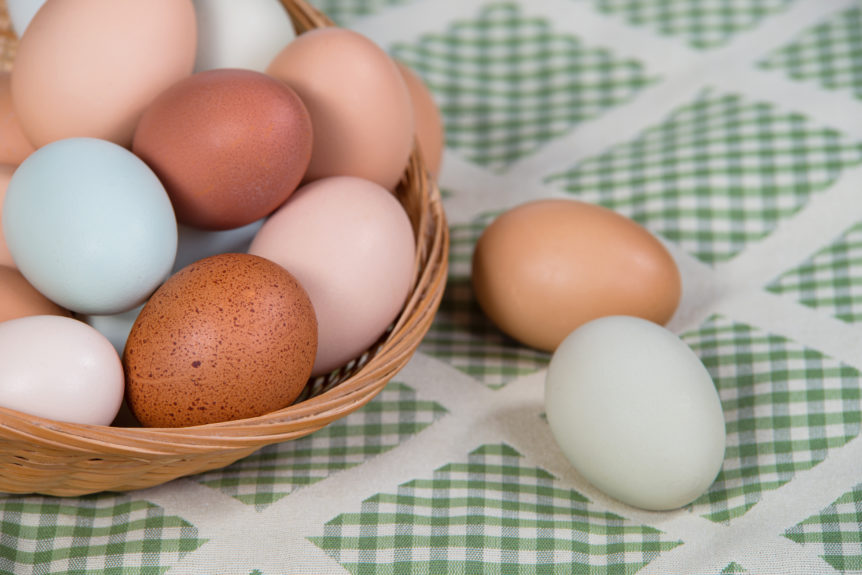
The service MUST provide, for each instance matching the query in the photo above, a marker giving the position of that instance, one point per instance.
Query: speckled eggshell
(228, 337)
(230, 146)
(20, 299)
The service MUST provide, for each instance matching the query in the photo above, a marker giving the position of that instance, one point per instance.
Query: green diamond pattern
(717, 174)
(835, 531)
(829, 54)
(734, 568)
(785, 406)
(276, 470)
(702, 24)
(462, 335)
(344, 12)
(104, 534)
(830, 280)
(506, 83)
(490, 514)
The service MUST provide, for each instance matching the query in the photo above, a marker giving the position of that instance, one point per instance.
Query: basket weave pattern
(43, 456)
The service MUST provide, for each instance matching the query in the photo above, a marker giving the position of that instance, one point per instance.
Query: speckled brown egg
(228, 337)
(229, 145)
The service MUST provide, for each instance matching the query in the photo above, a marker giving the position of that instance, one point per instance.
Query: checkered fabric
(830, 280)
(828, 54)
(835, 532)
(109, 534)
(734, 569)
(488, 515)
(507, 82)
(276, 470)
(785, 406)
(343, 12)
(462, 335)
(701, 23)
(717, 174)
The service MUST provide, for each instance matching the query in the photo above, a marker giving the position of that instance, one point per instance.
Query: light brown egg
(14, 145)
(20, 299)
(6, 172)
(544, 268)
(426, 115)
(88, 68)
(359, 104)
(228, 337)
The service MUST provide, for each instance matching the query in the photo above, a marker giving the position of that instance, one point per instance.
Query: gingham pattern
(276, 470)
(785, 406)
(111, 534)
(717, 174)
(828, 54)
(701, 23)
(343, 12)
(734, 569)
(830, 280)
(462, 335)
(489, 514)
(835, 532)
(507, 82)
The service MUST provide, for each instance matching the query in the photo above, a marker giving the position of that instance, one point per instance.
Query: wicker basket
(43, 456)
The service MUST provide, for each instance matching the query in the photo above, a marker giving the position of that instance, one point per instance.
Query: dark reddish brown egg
(229, 145)
(228, 337)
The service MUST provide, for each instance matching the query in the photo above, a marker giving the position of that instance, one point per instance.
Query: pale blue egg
(90, 225)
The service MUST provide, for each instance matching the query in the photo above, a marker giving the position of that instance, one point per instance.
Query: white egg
(59, 368)
(21, 12)
(240, 33)
(635, 412)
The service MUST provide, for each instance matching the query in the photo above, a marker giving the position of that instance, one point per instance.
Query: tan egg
(228, 337)
(544, 268)
(20, 299)
(426, 115)
(6, 172)
(88, 68)
(359, 104)
(14, 145)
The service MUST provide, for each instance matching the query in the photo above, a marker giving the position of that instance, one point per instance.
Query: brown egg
(543, 268)
(229, 145)
(228, 337)
(88, 68)
(426, 115)
(20, 299)
(6, 172)
(14, 145)
(359, 104)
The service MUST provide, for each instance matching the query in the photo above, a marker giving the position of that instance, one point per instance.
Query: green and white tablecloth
(731, 129)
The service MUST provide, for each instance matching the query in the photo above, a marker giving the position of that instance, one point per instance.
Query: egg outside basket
(53, 458)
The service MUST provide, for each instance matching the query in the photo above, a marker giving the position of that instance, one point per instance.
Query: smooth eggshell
(230, 146)
(6, 172)
(545, 267)
(89, 225)
(359, 104)
(228, 337)
(430, 133)
(21, 12)
(350, 243)
(90, 67)
(635, 412)
(20, 299)
(14, 145)
(246, 34)
(59, 368)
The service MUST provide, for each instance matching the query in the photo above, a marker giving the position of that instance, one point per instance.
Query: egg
(543, 268)
(230, 146)
(59, 368)
(359, 104)
(228, 337)
(6, 172)
(21, 12)
(20, 299)
(246, 34)
(88, 68)
(89, 225)
(14, 145)
(430, 133)
(635, 412)
(350, 244)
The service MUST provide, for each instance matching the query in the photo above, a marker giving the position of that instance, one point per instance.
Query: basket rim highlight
(39, 455)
